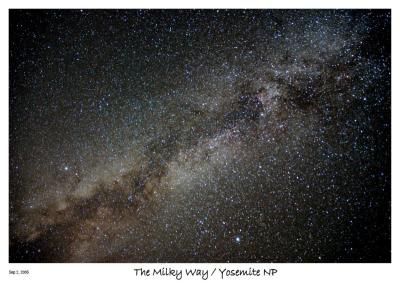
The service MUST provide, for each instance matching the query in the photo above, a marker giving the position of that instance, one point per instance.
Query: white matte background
(123, 273)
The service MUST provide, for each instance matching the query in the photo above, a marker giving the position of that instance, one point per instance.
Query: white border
(287, 273)
(206, 4)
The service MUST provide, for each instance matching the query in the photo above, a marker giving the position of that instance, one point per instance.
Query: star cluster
(200, 136)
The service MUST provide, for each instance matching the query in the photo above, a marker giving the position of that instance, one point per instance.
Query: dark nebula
(200, 136)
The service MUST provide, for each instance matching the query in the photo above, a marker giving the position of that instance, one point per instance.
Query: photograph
(199, 136)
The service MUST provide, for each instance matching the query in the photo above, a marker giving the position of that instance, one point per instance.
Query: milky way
(200, 136)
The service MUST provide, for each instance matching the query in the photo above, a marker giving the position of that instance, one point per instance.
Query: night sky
(200, 136)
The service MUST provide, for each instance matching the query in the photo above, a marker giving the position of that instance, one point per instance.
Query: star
(237, 239)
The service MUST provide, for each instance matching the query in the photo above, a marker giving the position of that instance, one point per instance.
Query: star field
(200, 136)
